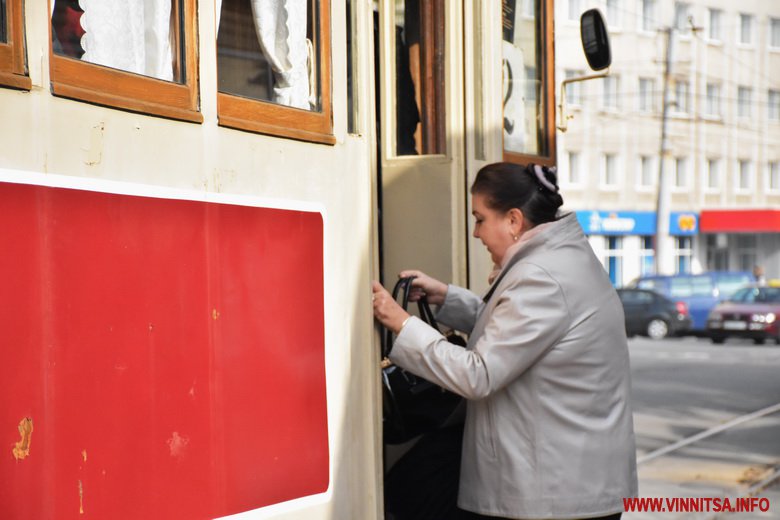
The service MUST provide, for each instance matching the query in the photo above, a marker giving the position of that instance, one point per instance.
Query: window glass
(648, 15)
(681, 90)
(728, 284)
(745, 28)
(714, 29)
(574, 90)
(266, 50)
(680, 172)
(139, 37)
(13, 65)
(647, 256)
(774, 32)
(774, 176)
(646, 94)
(773, 102)
(525, 102)
(680, 287)
(713, 177)
(745, 175)
(610, 97)
(419, 77)
(681, 13)
(701, 286)
(744, 106)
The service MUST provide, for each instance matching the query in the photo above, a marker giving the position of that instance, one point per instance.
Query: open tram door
(458, 85)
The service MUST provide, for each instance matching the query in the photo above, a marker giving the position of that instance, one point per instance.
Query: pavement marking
(708, 433)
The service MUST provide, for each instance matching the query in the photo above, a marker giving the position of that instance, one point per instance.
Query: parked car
(700, 292)
(751, 312)
(652, 314)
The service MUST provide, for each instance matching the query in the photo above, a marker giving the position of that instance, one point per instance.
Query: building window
(744, 105)
(713, 174)
(574, 90)
(680, 172)
(714, 30)
(646, 94)
(747, 248)
(745, 175)
(774, 33)
(613, 13)
(682, 96)
(648, 22)
(646, 256)
(270, 88)
(712, 106)
(647, 171)
(610, 175)
(574, 10)
(528, 86)
(773, 173)
(139, 56)
(13, 70)
(574, 168)
(614, 259)
(683, 253)
(681, 14)
(610, 98)
(773, 104)
(745, 28)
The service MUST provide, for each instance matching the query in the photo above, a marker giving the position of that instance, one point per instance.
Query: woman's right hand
(424, 285)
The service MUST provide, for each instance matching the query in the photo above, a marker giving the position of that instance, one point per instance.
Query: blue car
(700, 292)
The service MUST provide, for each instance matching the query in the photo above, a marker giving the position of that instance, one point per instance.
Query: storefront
(625, 241)
(741, 239)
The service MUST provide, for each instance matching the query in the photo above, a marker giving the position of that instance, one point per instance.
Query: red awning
(740, 221)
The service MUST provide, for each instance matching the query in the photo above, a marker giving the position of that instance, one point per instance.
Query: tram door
(419, 89)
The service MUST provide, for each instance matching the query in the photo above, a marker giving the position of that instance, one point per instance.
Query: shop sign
(617, 222)
(683, 223)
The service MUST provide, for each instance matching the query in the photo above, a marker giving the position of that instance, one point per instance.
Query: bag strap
(504, 271)
(403, 287)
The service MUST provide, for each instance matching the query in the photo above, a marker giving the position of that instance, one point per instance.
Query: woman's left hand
(387, 310)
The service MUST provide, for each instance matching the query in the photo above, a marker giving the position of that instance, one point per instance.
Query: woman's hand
(424, 285)
(387, 310)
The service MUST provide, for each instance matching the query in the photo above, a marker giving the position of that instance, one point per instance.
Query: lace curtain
(281, 30)
(131, 35)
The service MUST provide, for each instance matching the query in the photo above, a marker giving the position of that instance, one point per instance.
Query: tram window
(138, 56)
(419, 77)
(13, 71)
(527, 80)
(273, 67)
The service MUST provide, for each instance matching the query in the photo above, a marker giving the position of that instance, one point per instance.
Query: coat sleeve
(529, 318)
(460, 309)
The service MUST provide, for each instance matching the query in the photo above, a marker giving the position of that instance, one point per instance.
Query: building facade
(722, 163)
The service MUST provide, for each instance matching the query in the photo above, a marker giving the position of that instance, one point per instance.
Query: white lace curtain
(131, 35)
(281, 30)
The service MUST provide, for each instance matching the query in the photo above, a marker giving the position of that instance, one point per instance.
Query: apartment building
(722, 162)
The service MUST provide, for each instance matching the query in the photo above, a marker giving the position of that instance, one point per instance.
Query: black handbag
(412, 405)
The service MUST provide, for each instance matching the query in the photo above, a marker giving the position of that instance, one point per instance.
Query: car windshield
(757, 295)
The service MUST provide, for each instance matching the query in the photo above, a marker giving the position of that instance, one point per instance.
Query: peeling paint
(215, 314)
(22, 448)
(95, 150)
(81, 498)
(177, 444)
(84, 455)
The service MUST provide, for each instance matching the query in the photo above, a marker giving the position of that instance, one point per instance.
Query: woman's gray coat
(549, 431)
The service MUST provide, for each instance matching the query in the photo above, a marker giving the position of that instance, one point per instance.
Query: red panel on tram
(169, 353)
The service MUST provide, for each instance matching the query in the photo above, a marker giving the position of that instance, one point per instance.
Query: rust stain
(22, 448)
(81, 498)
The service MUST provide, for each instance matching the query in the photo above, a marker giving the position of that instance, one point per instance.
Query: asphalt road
(707, 423)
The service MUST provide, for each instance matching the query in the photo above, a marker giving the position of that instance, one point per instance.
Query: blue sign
(635, 222)
(683, 223)
(617, 222)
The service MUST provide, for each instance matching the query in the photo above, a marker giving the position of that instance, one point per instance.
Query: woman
(548, 430)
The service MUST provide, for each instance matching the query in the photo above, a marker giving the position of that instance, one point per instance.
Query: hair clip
(539, 171)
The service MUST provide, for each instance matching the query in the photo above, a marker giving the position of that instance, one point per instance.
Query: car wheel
(759, 341)
(657, 329)
(718, 339)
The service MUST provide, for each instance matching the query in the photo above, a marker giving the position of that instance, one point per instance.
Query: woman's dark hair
(532, 189)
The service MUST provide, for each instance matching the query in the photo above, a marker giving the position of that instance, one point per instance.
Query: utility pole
(662, 202)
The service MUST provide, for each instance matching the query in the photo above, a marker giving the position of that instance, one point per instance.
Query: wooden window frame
(13, 69)
(269, 118)
(84, 81)
(547, 92)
